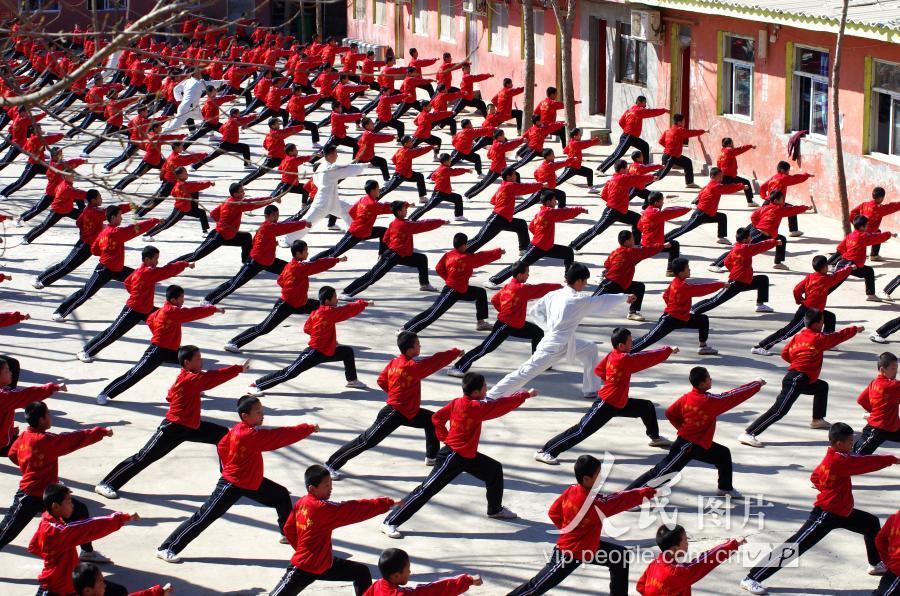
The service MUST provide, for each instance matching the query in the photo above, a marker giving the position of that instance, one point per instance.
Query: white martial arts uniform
(559, 313)
(327, 201)
(188, 93)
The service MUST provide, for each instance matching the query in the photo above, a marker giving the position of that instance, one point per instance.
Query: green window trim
(867, 106)
(720, 78)
(788, 86)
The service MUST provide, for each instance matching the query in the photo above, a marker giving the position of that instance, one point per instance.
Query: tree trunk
(565, 22)
(836, 120)
(528, 32)
(320, 18)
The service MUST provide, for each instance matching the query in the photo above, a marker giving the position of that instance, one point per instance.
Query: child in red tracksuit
(460, 451)
(619, 269)
(875, 210)
(308, 530)
(653, 227)
(182, 422)
(833, 509)
(231, 140)
(402, 380)
(888, 544)
(274, 146)
(13, 398)
(240, 456)
(670, 574)
(852, 251)
(37, 454)
(187, 202)
(403, 171)
(497, 154)
(727, 162)
(694, 416)
(393, 564)
(739, 263)
(55, 540)
(89, 581)
(672, 141)
(546, 174)
(501, 218)
(804, 353)
(781, 181)
(323, 345)
(443, 189)
(456, 268)
(707, 210)
(574, 149)
(582, 543)
(881, 399)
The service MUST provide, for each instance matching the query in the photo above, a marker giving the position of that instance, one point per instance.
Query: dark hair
(639, 99)
(405, 139)
(574, 131)
(496, 134)
(269, 210)
(819, 262)
(459, 239)
(246, 403)
(84, 577)
(535, 118)
(506, 172)
(391, 561)
(465, 123)
(289, 147)
(298, 246)
(714, 172)
(326, 293)
(397, 206)
(55, 494)
(274, 121)
(547, 197)
(654, 197)
(112, 211)
(186, 353)
(34, 412)
(726, 141)
(507, 81)
(546, 152)
(335, 105)
(774, 196)
(406, 340)
(235, 187)
(783, 166)
(443, 157)
(365, 122)
(148, 252)
(551, 91)
(518, 268)
(370, 185)
(742, 234)
(813, 316)
(860, 221)
(697, 376)
(174, 291)
(886, 359)
(472, 382)
(314, 475)
(679, 265)
(669, 537)
(624, 236)
(636, 154)
(91, 194)
(329, 149)
(677, 118)
(878, 192)
(586, 465)
(620, 165)
(619, 336)
(839, 431)
(577, 271)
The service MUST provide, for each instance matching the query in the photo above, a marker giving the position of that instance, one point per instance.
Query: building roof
(876, 19)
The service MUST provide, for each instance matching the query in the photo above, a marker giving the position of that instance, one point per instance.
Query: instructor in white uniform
(188, 93)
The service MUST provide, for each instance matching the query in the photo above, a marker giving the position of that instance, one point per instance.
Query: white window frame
(447, 20)
(498, 43)
(379, 8)
(895, 99)
(359, 10)
(728, 79)
(420, 17)
(540, 16)
(620, 56)
(795, 91)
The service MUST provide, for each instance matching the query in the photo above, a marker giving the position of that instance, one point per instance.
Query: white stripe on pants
(541, 360)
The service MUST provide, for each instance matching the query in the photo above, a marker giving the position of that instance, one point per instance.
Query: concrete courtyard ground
(240, 553)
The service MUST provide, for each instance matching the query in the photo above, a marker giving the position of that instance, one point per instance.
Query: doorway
(598, 61)
(681, 72)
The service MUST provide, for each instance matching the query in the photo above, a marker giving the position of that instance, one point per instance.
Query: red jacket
(114, 110)
(616, 368)
(184, 394)
(465, 138)
(673, 139)
(289, 167)
(888, 543)
(64, 197)
(497, 153)
(13, 399)
(294, 279)
(466, 416)
(37, 454)
(511, 302)
(812, 291)
(403, 159)
(339, 123)
(805, 350)
(621, 263)
(575, 150)
(110, 243)
(442, 178)
(240, 451)
(366, 144)
(832, 478)
(781, 182)
(767, 218)
(165, 323)
(882, 400)
(739, 260)
(409, 85)
(175, 160)
(615, 191)
(425, 121)
(297, 103)
(228, 214)
(504, 199)
(364, 212)
(653, 224)
(274, 141)
(694, 413)
(308, 528)
(36, 146)
(54, 173)
(543, 225)
(853, 246)
(384, 110)
(55, 542)
(450, 586)
(399, 235)
(467, 84)
(546, 171)
(632, 120)
(583, 541)
(153, 147)
(184, 191)
(141, 284)
(402, 379)
(679, 294)
(665, 577)
(874, 212)
(8, 319)
(727, 161)
(275, 97)
(537, 133)
(504, 98)
(231, 128)
(91, 221)
(264, 241)
(456, 267)
(320, 326)
(548, 108)
(709, 196)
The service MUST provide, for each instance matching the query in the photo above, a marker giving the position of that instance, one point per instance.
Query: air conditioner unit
(645, 24)
(475, 7)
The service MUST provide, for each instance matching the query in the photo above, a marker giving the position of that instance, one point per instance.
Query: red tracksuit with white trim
(881, 398)
(667, 577)
(888, 544)
(450, 586)
(460, 453)
(14, 399)
(677, 314)
(694, 416)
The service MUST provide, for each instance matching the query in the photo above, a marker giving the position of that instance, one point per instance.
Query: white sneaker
(253, 391)
(37, 285)
(750, 440)
(19, 222)
(483, 326)
(796, 234)
(707, 351)
(716, 269)
(504, 513)
(391, 531)
(460, 218)
(753, 586)
(760, 351)
(283, 243)
(356, 384)
(230, 347)
(335, 474)
(455, 372)
(93, 556)
(105, 490)
(879, 569)
(764, 308)
(167, 556)
(692, 185)
(661, 442)
(595, 188)
(781, 267)
(733, 493)
(635, 316)
(428, 288)
(334, 228)
(102, 399)
(423, 199)
(317, 145)
(346, 298)
(84, 155)
(723, 240)
(877, 338)
(545, 458)
(84, 357)
(57, 317)
(491, 285)
(430, 461)
(147, 238)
